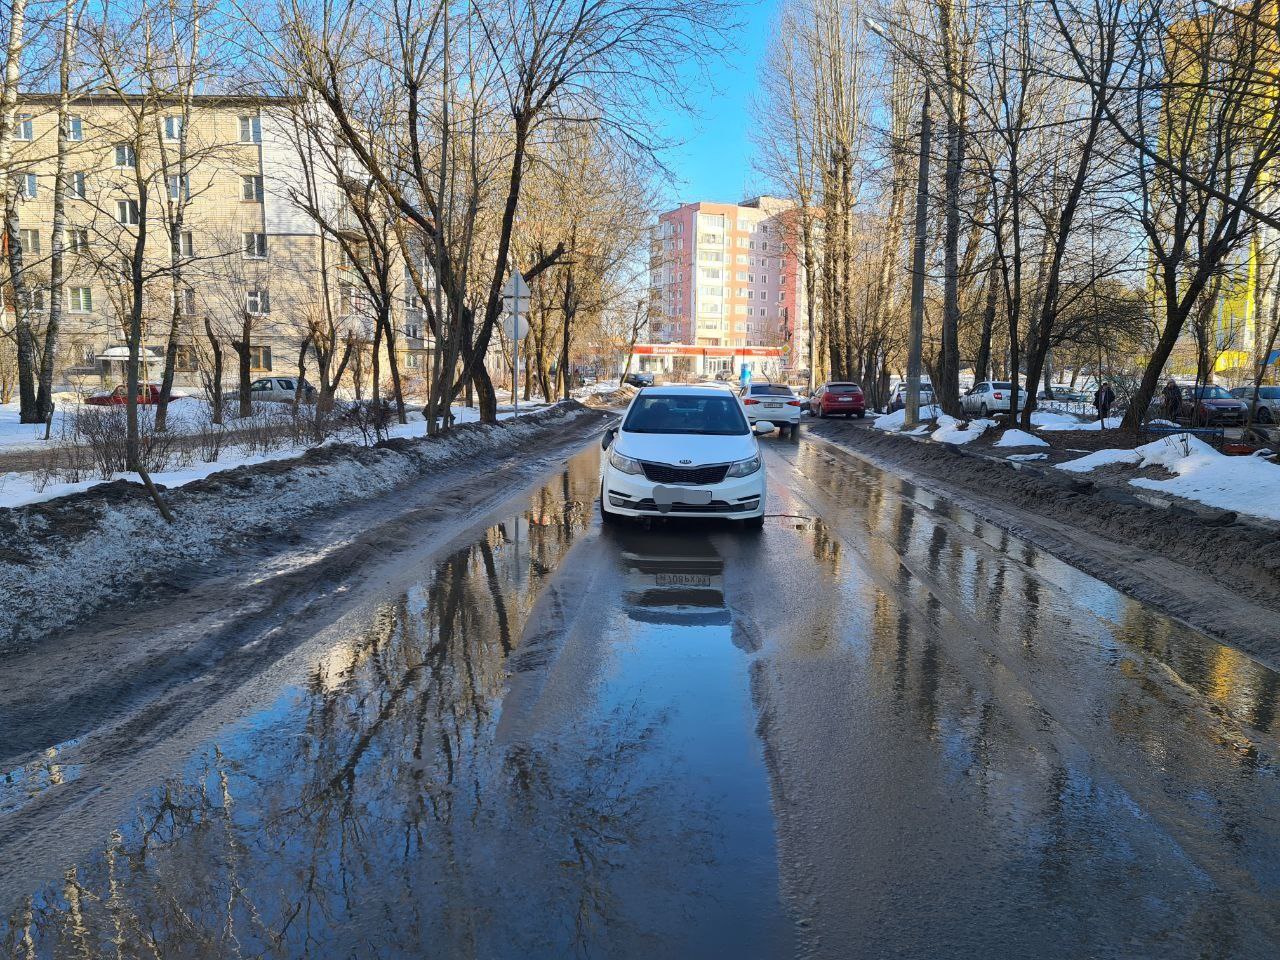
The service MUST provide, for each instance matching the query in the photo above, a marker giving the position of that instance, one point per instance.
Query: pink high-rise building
(726, 278)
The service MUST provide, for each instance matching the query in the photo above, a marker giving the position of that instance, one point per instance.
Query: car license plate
(666, 496)
(683, 580)
(773, 406)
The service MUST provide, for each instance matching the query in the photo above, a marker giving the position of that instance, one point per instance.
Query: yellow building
(252, 257)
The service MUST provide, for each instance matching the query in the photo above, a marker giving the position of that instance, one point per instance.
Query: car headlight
(625, 464)
(744, 468)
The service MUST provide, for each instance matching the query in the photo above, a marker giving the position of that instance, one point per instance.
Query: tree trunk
(48, 356)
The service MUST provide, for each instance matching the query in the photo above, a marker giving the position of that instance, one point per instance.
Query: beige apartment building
(252, 256)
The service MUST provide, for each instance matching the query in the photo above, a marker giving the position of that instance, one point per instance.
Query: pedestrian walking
(1172, 401)
(1102, 401)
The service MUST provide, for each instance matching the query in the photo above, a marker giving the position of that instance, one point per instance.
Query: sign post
(516, 295)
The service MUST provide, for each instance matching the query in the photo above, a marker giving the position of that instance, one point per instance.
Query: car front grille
(715, 506)
(686, 476)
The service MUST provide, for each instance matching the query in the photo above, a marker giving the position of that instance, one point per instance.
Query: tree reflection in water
(369, 812)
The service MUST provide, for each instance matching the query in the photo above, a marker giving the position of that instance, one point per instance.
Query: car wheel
(982, 411)
(1264, 415)
(862, 414)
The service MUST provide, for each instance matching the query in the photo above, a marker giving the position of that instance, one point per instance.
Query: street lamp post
(914, 347)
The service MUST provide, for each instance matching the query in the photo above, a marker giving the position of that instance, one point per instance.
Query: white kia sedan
(683, 451)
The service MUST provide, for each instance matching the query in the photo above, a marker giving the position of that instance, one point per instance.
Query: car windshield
(844, 387)
(770, 390)
(1269, 393)
(713, 416)
(1214, 393)
(1002, 386)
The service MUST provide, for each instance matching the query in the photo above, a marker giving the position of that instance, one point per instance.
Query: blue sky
(714, 162)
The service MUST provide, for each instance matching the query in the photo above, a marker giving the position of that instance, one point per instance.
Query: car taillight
(750, 402)
(998, 396)
(793, 403)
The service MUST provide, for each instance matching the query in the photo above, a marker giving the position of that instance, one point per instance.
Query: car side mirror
(607, 441)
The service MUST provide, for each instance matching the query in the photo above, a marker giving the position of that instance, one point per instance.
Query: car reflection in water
(674, 576)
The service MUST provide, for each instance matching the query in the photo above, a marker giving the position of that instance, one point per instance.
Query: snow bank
(1019, 438)
(898, 419)
(1047, 420)
(1247, 485)
(951, 430)
(61, 560)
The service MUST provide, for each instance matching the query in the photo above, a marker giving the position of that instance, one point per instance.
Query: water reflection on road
(882, 727)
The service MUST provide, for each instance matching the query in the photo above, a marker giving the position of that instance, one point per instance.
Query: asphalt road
(879, 728)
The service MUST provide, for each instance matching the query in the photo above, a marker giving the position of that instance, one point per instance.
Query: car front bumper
(738, 498)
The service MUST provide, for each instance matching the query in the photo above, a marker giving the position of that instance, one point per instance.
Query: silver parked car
(277, 390)
(988, 397)
(1268, 405)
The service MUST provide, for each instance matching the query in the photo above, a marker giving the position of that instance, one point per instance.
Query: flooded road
(881, 727)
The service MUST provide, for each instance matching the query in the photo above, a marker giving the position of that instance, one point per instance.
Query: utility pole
(915, 345)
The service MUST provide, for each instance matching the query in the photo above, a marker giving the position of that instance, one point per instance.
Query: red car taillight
(998, 396)
(793, 403)
(750, 402)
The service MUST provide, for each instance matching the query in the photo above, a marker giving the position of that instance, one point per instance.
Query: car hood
(673, 448)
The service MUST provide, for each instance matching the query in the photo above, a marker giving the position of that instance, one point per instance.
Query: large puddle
(882, 727)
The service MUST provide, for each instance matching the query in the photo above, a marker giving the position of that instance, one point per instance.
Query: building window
(127, 212)
(27, 185)
(173, 128)
(258, 303)
(255, 246)
(76, 189)
(179, 188)
(33, 300)
(77, 241)
(126, 158)
(184, 358)
(30, 240)
(412, 362)
(79, 299)
(250, 130)
(260, 357)
(75, 129)
(187, 244)
(251, 188)
(22, 127)
(185, 302)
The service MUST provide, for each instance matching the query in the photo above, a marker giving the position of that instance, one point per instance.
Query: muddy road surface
(879, 727)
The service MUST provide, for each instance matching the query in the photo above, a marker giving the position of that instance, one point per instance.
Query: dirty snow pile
(65, 558)
(1246, 485)
(1019, 438)
(953, 431)
(898, 419)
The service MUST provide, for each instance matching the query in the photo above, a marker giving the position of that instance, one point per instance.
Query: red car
(833, 399)
(148, 393)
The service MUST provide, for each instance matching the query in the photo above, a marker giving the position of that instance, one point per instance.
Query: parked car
(724, 375)
(277, 390)
(683, 451)
(771, 403)
(1062, 395)
(640, 379)
(898, 399)
(148, 393)
(988, 397)
(836, 399)
(1268, 403)
(1210, 405)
